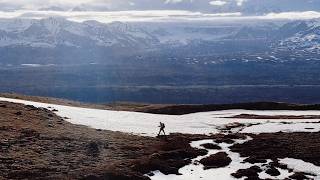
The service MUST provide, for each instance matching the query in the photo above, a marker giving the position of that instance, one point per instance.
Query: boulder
(211, 146)
(217, 160)
(250, 173)
(272, 171)
(254, 160)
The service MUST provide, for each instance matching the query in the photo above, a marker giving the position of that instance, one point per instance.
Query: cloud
(240, 2)
(128, 16)
(217, 3)
(249, 7)
(200, 5)
(155, 16)
(294, 15)
(35, 4)
(173, 1)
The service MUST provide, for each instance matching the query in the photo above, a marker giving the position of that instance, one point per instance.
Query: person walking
(162, 126)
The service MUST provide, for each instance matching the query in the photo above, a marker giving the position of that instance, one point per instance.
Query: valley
(188, 80)
(160, 89)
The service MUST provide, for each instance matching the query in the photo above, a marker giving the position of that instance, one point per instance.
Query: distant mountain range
(57, 40)
(54, 32)
(307, 39)
(247, 7)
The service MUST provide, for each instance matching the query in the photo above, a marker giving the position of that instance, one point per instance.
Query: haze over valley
(162, 62)
(160, 89)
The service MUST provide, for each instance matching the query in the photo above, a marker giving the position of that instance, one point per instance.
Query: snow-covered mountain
(53, 32)
(59, 32)
(57, 39)
(307, 39)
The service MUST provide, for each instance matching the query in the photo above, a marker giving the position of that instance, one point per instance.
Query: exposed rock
(224, 140)
(3, 106)
(19, 113)
(168, 162)
(250, 173)
(231, 126)
(272, 171)
(116, 176)
(297, 145)
(29, 133)
(299, 176)
(175, 153)
(220, 159)
(256, 168)
(211, 146)
(30, 107)
(276, 163)
(93, 149)
(254, 160)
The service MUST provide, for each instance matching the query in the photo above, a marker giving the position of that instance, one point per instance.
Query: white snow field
(301, 166)
(195, 170)
(196, 123)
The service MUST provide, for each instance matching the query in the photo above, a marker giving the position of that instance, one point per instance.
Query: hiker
(162, 126)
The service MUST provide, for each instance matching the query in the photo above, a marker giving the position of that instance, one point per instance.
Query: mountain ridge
(25, 40)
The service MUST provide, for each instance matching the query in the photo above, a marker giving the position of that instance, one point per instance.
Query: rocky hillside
(35, 143)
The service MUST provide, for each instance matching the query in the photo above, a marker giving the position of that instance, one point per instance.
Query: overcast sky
(110, 10)
(117, 4)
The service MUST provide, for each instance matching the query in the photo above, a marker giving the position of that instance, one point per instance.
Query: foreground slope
(36, 143)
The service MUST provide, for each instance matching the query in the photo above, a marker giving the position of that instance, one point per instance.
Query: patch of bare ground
(275, 146)
(250, 173)
(169, 109)
(189, 108)
(254, 116)
(304, 146)
(37, 144)
(211, 146)
(220, 159)
(119, 106)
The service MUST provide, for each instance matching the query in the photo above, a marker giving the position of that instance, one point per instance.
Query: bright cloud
(106, 17)
(155, 15)
(240, 2)
(294, 15)
(251, 7)
(160, 10)
(34, 4)
(173, 1)
(217, 3)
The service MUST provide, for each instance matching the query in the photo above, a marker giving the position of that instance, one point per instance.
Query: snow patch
(195, 170)
(196, 123)
(301, 166)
